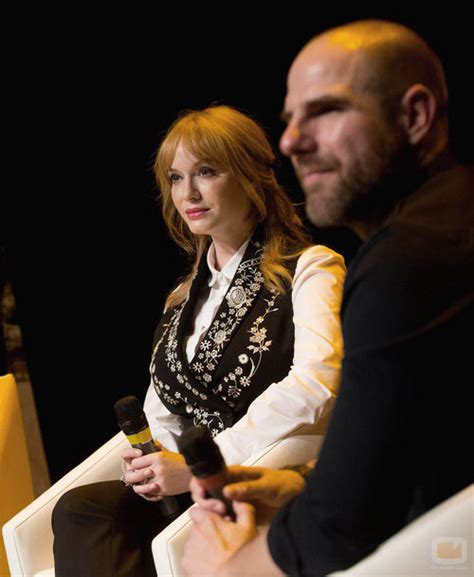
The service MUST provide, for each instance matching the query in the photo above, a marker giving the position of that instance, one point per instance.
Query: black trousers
(105, 530)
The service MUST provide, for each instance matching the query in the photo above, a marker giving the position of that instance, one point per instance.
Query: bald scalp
(390, 58)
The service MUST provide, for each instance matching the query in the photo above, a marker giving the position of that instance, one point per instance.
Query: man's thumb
(245, 513)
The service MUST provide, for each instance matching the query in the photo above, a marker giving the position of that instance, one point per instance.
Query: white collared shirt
(212, 296)
(307, 393)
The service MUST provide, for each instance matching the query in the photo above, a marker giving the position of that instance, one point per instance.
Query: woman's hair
(233, 142)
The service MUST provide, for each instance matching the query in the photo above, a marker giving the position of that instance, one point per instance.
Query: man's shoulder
(431, 230)
(442, 209)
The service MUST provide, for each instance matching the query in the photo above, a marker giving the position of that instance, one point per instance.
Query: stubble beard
(368, 186)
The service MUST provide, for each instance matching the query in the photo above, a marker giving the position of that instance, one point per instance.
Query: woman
(249, 344)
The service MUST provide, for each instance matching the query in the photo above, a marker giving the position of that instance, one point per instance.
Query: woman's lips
(195, 213)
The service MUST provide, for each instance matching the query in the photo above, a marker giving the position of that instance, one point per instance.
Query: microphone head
(201, 453)
(130, 415)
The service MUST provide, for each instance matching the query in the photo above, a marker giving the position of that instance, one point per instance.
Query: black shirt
(399, 439)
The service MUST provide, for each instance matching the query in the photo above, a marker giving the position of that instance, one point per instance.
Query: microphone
(203, 457)
(133, 422)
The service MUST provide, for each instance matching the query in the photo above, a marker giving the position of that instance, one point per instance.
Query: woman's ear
(418, 111)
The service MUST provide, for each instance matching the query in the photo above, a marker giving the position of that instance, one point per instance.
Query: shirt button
(189, 409)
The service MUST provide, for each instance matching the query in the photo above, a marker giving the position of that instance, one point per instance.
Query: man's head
(366, 105)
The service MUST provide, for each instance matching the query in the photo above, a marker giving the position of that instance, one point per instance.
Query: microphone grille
(130, 415)
(201, 453)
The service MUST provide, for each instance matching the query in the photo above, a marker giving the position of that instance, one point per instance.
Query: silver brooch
(236, 297)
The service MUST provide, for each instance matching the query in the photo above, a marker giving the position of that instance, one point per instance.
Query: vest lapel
(199, 390)
(238, 301)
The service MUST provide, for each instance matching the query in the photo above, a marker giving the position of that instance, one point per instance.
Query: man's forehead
(325, 59)
(320, 72)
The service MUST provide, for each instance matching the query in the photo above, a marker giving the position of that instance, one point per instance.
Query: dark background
(87, 251)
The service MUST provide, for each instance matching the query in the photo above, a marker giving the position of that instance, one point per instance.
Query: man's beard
(370, 188)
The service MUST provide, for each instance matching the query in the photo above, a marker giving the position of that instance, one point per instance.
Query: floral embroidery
(211, 420)
(173, 363)
(247, 284)
(220, 337)
(239, 298)
(258, 335)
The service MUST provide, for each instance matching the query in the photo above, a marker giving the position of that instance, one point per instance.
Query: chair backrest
(16, 484)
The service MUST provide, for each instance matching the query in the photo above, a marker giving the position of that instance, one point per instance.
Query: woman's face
(209, 200)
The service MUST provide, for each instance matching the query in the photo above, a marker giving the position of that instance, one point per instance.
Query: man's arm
(217, 546)
(383, 444)
(266, 489)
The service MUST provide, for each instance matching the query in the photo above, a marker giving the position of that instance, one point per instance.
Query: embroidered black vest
(248, 346)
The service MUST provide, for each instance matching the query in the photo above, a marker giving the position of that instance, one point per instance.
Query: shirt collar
(228, 271)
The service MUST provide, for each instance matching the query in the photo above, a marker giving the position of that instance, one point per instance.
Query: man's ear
(418, 112)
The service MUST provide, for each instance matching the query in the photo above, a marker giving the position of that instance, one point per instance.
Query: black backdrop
(88, 253)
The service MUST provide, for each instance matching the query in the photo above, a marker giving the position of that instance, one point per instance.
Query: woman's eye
(174, 178)
(206, 171)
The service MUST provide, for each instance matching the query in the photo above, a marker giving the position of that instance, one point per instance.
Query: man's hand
(266, 489)
(213, 540)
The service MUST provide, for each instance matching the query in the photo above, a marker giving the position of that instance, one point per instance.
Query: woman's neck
(225, 250)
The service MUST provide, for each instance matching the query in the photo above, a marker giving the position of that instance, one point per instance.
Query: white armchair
(28, 536)
(431, 544)
(168, 545)
(439, 540)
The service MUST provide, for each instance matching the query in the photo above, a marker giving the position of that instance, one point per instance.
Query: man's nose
(291, 139)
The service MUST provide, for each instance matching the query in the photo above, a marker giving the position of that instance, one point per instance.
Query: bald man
(367, 133)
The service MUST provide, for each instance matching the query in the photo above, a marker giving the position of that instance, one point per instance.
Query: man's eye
(328, 109)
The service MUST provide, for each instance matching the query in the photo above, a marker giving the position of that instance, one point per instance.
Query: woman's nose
(192, 191)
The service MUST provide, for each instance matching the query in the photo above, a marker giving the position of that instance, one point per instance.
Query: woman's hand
(157, 474)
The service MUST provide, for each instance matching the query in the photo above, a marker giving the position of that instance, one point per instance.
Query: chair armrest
(168, 545)
(28, 536)
(437, 543)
